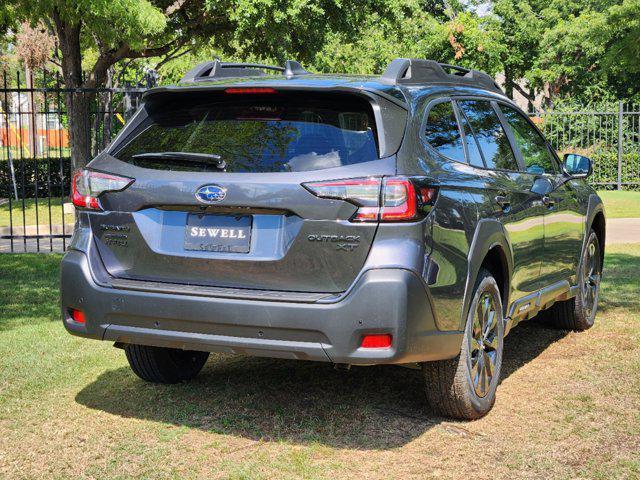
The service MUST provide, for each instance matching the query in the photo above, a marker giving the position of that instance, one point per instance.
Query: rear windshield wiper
(208, 158)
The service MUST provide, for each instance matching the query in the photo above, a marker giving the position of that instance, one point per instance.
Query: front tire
(164, 365)
(465, 387)
(579, 313)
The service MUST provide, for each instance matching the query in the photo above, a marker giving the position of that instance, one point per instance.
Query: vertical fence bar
(33, 135)
(23, 177)
(12, 173)
(620, 120)
(59, 104)
(47, 149)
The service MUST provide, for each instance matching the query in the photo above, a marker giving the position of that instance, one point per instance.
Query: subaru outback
(411, 218)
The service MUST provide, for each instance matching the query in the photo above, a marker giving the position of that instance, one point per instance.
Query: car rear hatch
(220, 193)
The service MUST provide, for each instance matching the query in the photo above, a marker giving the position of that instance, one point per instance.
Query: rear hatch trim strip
(219, 292)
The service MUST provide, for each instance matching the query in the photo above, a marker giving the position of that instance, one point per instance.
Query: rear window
(273, 132)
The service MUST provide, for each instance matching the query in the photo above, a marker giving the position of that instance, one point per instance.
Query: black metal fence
(609, 136)
(35, 154)
(35, 165)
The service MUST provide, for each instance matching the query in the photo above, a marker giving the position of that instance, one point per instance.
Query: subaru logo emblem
(211, 194)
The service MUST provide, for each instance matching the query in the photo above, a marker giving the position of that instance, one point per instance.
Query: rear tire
(164, 365)
(465, 387)
(579, 313)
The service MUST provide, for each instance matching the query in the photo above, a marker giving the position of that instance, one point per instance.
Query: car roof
(315, 82)
(401, 80)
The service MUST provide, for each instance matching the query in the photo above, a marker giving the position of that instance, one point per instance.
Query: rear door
(237, 214)
(563, 219)
(508, 193)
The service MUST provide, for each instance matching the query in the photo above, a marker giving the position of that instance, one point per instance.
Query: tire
(579, 313)
(451, 391)
(164, 365)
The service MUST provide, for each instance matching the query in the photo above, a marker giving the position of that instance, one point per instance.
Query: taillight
(87, 186)
(394, 199)
(399, 200)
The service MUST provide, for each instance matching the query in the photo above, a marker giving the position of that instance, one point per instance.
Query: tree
(586, 49)
(518, 26)
(411, 28)
(117, 29)
(110, 31)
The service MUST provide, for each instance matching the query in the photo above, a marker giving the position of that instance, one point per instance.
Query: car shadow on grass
(299, 402)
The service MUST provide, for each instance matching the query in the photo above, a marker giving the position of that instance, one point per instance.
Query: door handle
(548, 201)
(503, 201)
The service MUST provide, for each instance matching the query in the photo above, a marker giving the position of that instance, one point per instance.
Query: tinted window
(491, 136)
(256, 133)
(537, 157)
(442, 132)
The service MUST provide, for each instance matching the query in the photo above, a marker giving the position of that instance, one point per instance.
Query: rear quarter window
(442, 133)
(255, 133)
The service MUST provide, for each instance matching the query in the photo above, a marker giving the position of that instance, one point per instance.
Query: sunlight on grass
(621, 204)
(19, 214)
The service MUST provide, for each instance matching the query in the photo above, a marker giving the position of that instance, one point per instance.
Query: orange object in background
(54, 138)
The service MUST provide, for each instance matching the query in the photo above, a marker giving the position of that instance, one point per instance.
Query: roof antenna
(293, 68)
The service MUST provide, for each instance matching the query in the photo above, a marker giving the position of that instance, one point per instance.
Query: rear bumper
(382, 301)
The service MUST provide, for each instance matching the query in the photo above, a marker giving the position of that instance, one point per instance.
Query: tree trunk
(76, 101)
(508, 83)
(33, 132)
(79, 128)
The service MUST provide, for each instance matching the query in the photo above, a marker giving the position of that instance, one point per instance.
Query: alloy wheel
(484, 344)
(590, 277)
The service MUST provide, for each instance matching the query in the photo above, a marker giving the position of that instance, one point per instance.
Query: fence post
(620, 145)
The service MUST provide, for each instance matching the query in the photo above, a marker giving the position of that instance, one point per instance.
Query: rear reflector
(250, 90)
(78, 316)
(376, 341)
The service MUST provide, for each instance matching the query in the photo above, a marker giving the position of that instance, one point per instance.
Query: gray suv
(411, 218)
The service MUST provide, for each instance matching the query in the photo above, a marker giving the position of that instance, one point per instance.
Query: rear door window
(475, 157)
(274, 132)
(442, 132)
(535, 153)
(491, 137)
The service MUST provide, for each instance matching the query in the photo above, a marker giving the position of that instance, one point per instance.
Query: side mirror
(577, 166)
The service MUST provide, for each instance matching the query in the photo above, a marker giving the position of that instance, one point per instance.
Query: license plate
(218, 233)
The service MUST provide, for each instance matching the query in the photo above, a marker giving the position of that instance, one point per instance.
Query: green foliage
(579, 48)
(409, 31)
(111, 22)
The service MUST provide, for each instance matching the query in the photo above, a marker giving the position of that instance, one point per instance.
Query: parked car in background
(411, 218)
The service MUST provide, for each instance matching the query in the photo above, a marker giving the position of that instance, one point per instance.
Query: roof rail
(215, 70)
(413, 71)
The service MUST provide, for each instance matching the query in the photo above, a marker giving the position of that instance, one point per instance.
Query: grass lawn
(568, 406)
(30, 212)
(620, 204)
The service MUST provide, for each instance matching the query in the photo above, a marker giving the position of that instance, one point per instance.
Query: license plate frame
(218, 233)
